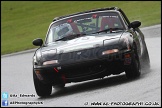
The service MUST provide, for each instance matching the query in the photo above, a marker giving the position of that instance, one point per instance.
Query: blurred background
(23, 21)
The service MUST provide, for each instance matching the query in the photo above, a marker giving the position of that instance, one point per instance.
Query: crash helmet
(64, 30)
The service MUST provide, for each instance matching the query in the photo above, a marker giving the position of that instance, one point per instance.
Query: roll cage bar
(99, 9)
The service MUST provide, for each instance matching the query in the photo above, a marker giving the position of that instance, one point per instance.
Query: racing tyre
(41, 88)
(134, 69)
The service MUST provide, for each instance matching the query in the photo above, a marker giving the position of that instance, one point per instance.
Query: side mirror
(38, 42)
(135, 24)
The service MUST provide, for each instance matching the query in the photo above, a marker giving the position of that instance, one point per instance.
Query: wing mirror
(135, 24)
(38, 42)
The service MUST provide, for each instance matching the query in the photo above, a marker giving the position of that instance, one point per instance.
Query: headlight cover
(49, 55)
(49, 52)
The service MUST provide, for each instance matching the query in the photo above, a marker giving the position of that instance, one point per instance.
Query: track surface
(16, 78)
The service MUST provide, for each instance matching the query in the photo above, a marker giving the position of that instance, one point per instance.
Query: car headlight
(110, 51)
(48, 55)
(50, 62)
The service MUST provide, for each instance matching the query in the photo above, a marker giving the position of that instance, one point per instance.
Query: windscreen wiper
(109, 29)
(63, 38)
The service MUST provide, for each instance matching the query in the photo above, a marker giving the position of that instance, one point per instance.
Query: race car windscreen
(83, 24)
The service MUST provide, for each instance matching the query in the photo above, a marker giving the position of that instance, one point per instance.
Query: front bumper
(85, 70)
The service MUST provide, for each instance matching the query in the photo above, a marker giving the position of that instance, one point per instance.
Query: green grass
(23, 21)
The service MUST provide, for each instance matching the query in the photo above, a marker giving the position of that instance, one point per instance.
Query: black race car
(88, 45)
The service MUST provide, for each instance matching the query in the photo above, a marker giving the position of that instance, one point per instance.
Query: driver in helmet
(65, 30)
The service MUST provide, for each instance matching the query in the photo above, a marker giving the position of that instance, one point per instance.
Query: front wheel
(41, 88)
(134, 69)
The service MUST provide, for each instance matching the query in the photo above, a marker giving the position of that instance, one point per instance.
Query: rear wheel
(134, 69)
(41, 88)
